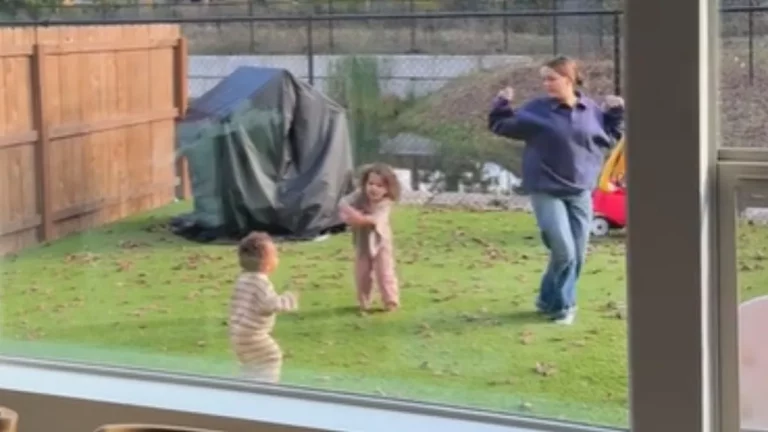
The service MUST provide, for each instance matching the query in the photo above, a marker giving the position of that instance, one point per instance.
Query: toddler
(366, 211)
(253, 308)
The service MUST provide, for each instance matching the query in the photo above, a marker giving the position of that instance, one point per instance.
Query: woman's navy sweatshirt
(564, 146)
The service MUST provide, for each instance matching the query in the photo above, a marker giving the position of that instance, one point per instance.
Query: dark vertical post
(506, 26)
(555, 37)
(601, 26)
(617, 52)
(251, 27)
(330, 26)
(43, 151)
(412, 9)
(310, 50)
(751, 41)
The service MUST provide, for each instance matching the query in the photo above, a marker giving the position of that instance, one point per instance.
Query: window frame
(676, 354)
(740, 185)
(674, 338)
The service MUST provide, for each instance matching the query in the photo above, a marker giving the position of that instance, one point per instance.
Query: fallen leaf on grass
(156, 227)
(526, 337)
(124, 266)
(81, 258)
(545, 369)
(525, 406)
(445, 299)
(616, 310)
(469, 317)
(130, 244)
(502, 382)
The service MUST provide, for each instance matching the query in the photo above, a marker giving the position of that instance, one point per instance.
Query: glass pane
(103, 265)
(744, 68)
(753, 313)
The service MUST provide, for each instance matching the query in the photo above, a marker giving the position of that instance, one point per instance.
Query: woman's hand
(613, 101)
(507, 94)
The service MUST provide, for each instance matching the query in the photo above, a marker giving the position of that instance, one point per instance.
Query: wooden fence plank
(87, 132)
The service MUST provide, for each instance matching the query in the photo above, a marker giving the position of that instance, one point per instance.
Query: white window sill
(257, 403)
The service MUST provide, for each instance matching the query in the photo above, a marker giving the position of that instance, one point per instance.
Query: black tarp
(265, 152)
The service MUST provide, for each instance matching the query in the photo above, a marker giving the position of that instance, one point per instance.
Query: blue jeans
(565, 224)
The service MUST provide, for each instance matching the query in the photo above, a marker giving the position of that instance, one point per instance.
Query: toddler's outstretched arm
(269, 302)
(285, 302)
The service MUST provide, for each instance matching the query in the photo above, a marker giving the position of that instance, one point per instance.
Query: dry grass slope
(457, 113)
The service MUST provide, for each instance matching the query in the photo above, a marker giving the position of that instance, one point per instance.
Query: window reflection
(133, 278)
(753, 357)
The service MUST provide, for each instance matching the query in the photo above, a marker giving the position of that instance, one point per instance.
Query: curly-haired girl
(366, 211)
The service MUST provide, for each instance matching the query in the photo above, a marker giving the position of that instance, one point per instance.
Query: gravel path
(479, 201)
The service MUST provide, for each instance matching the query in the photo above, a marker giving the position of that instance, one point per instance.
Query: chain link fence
(425, 113)
(577, 35)
(416, 76)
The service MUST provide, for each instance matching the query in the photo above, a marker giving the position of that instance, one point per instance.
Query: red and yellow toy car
(610, 198)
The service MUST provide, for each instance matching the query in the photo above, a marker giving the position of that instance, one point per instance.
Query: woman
(565, 135)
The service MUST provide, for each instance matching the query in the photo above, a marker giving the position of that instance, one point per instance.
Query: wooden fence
(87, 132)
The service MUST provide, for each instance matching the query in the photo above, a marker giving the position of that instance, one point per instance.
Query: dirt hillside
(465, 101)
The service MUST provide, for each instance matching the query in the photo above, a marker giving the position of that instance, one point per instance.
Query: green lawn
(134, 294)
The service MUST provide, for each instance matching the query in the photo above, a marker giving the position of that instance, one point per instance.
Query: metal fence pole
(555, 36)
(617, 53)
(330, 27)
(412, 9)
(310, 50)
(751, 41)
(252, 27)
(601, 27)
(506, 26)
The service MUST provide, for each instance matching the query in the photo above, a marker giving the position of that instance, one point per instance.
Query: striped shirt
(254, 305)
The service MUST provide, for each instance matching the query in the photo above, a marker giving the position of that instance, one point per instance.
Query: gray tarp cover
(266, 152)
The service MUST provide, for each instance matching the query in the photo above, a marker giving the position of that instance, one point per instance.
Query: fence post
(751, 36)
(42, 153)
(251, 27)
(310, 50)
(506, 26)
(617, 70)
(411, 10)
(181, 94)
(330, 26)
(555, 36)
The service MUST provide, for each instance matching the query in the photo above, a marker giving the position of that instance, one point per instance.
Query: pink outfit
(374, 252)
